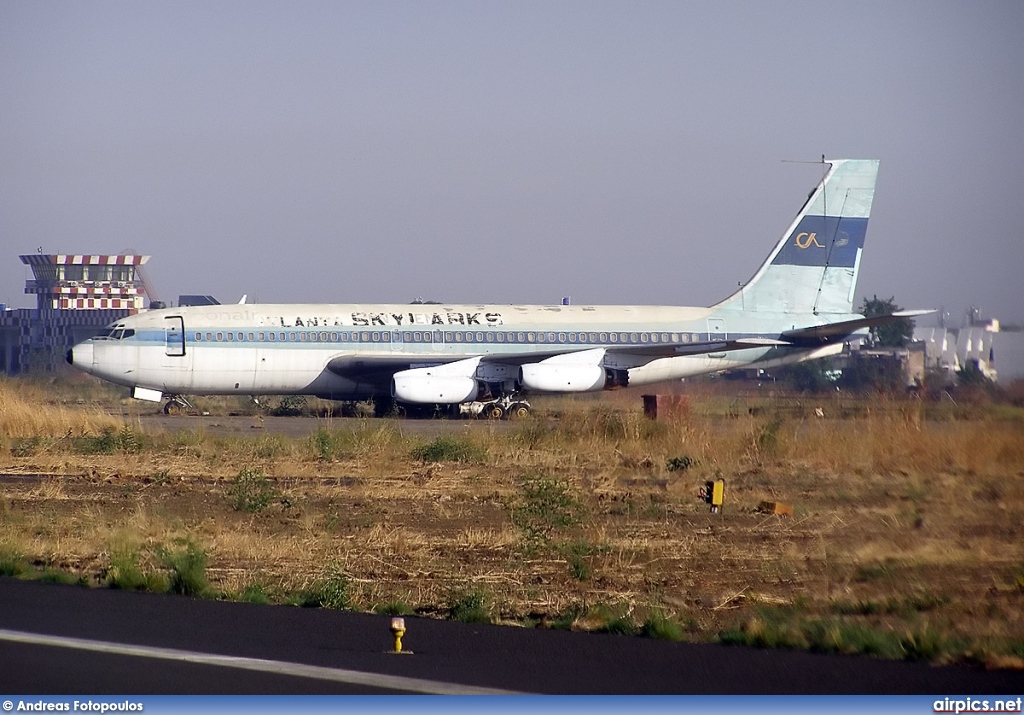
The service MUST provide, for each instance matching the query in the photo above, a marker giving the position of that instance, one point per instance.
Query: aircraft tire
(518, 410)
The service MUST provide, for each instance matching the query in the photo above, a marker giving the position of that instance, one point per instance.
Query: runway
(138, 643)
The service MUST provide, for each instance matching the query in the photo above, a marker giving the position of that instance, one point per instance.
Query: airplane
(798, 306)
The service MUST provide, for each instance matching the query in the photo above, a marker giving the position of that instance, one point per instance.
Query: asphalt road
(137, 643)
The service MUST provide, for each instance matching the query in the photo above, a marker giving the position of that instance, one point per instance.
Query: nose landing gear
(177, 405)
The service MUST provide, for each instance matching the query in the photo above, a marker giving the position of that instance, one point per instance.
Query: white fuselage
(286, 349)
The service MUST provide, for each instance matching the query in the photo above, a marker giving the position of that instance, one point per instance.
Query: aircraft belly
(292, 370)
(222, 370)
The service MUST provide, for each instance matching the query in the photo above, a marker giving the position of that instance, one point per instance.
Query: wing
(381, 369)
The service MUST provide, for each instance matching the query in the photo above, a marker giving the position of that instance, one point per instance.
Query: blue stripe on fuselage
(489, 339)
(824, 240)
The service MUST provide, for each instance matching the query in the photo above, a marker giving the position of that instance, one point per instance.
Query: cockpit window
(114, 332)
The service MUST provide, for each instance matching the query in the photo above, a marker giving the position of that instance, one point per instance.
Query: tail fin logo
(805, 240)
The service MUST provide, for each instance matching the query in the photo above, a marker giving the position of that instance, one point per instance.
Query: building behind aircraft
(76, 296)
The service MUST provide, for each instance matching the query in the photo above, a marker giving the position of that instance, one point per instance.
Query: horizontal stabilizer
(825, 333)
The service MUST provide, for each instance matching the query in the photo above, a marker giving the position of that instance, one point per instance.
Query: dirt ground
(909, 541)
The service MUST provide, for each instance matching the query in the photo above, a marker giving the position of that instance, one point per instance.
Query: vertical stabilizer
(813, 268)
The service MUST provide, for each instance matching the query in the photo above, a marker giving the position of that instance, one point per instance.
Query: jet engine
(432, 389)
(561, 377)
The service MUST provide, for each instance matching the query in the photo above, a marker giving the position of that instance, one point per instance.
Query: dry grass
(904, 524)
(29, 410)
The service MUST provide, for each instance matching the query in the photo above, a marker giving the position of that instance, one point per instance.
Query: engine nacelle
(561, 377)
(432, 389)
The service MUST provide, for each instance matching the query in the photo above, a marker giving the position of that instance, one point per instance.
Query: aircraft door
(175, 367)
(174, 336)
(716, 330)
(437, 340)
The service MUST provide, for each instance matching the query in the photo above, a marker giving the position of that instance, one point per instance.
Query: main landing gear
(505, 407)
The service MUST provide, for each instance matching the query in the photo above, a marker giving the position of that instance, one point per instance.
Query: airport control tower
(76, 296)
(66, 282)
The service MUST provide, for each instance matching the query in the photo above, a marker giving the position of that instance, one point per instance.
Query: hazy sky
(509, 152)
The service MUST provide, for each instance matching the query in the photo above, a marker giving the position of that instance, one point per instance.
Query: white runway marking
(338, 675)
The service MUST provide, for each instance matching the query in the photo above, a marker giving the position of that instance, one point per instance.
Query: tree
(890, 335)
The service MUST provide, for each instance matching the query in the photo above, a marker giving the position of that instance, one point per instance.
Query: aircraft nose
(80, 356)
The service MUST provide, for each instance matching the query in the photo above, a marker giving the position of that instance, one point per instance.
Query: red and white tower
(83, 282)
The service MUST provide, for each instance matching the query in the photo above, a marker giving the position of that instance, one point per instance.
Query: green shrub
(620, 624)
(251, 491)
(394, 608)
(680, 463)
(254, 593)
(124, 573)
(269, 446)
(768, 437)
(331, 591)
(187, 565)
(564, 621)
(50, 574)
(27, 446)
(469, 607)
(12, 563)
(322, 443)
(658, 625)
(109, 442)
(545, 507)
(577, 552)
(445, 448)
